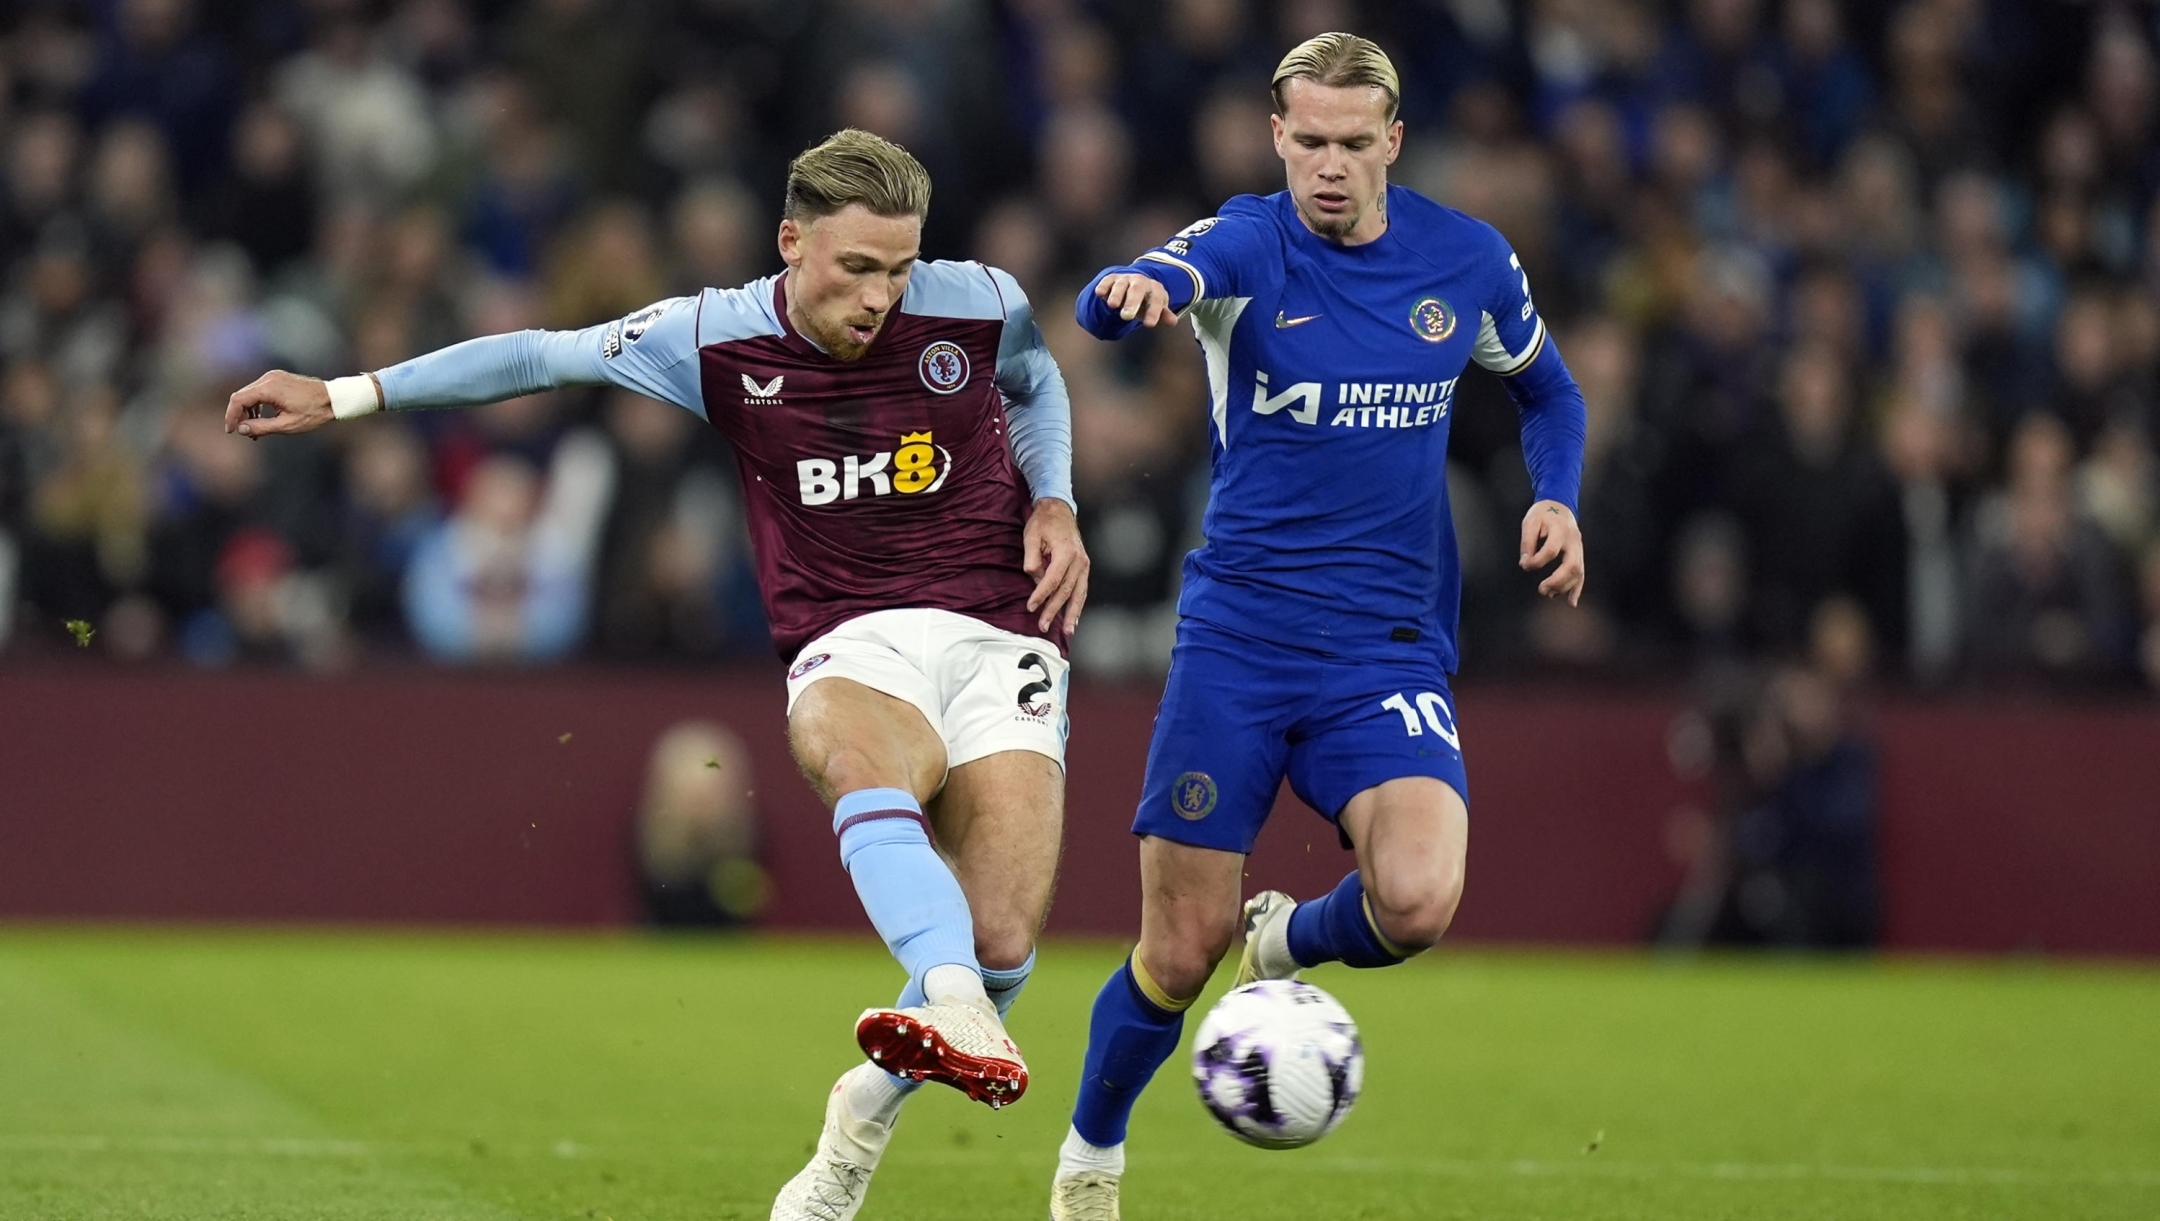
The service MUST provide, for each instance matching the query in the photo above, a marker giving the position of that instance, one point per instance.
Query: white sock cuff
(875, 1095)
(956, 984)
(1076, 1156)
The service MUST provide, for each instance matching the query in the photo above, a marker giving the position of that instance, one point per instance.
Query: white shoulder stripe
(1214, 322)
(1199, 281)
(1492, 354)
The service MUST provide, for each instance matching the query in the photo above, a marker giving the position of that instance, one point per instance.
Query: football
(1278, 1063)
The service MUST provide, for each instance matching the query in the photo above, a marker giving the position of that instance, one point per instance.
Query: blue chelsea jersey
(1332, 373)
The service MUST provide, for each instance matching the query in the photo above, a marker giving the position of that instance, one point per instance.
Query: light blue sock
(1004, 986)
(905, 886)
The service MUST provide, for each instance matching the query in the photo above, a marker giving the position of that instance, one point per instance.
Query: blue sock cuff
(1338, 927)
(1308, 938)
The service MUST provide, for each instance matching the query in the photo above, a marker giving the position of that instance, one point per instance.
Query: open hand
(1549, 533)
(1058, 562)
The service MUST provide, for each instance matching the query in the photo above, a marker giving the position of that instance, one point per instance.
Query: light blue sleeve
(1036, 402)
(653, 351)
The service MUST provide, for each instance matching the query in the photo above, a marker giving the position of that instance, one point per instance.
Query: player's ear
(790, 241)
(1394, 141)
(1275, 125)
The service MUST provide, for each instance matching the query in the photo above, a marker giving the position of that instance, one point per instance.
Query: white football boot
(1090, 1195)
(958, 1045)
(833, 1185)
(1267, 939)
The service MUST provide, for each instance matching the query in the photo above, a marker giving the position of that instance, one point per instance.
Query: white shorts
(982, 689)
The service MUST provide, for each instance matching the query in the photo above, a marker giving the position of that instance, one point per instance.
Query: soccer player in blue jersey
(1318, 620)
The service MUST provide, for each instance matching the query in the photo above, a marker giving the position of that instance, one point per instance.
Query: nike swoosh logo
(1282, 323)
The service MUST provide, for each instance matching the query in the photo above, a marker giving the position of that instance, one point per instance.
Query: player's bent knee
(848, 769)
(1418, 925)
(1182, 964)
(1003, 945)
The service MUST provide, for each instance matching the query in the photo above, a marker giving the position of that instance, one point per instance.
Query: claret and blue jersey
(1332, 373)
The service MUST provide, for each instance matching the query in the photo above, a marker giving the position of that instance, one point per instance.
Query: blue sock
(1134, 1029)
(1339, 927)
(905, 886)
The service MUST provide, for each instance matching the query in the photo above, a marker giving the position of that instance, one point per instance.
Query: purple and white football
(1278, 1063)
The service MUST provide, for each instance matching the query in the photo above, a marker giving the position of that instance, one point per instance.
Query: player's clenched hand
(1136, 296)
(278, 402)
(1057, 561)
(1549, 533)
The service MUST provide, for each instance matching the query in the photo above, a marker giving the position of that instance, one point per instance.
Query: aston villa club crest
(1433, 319)
(944, 366)
(808, 664)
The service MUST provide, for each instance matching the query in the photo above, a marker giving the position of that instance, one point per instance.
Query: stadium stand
(1862, 298)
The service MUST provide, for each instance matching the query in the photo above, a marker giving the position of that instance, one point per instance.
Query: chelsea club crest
(1433, 319)
(1193, 796)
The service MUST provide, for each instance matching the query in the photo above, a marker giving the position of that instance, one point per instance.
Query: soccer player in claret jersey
(1318, 620)
(905, 446)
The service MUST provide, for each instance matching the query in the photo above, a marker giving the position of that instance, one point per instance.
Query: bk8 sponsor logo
(917, 465)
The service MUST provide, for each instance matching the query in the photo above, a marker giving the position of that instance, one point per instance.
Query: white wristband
(353, 396)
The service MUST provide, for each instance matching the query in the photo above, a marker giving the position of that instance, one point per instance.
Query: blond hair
(856, 167)
(1338, 60)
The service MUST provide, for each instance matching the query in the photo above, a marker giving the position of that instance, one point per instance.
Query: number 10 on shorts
(1436, 713)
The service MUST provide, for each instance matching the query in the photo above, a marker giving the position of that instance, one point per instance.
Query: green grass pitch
(213, 1074)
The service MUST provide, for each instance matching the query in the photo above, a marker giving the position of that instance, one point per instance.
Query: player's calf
(1189, 913)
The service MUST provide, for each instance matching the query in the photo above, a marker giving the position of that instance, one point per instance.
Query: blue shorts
(1239, 714)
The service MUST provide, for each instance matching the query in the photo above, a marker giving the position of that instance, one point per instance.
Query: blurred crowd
(1862, 298)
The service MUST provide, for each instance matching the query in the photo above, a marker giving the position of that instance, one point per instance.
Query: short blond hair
(856, 167)
(1339, 60)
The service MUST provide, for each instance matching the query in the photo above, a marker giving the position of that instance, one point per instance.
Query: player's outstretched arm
(1207, 260)
(1137, 296)
(1121, 300)
(653, 352)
